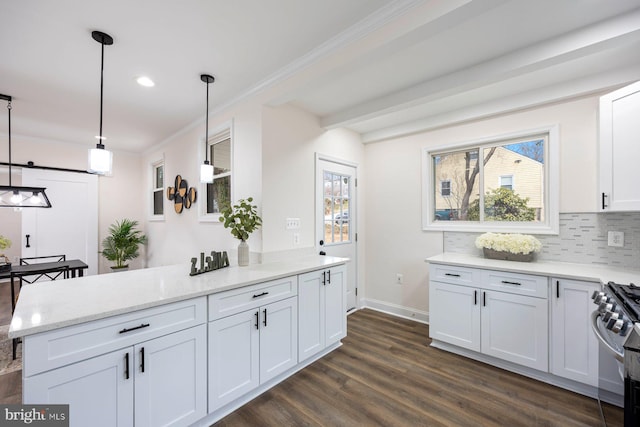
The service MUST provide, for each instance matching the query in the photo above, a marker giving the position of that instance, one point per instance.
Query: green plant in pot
(242, 218)
(4, 261)
(123, 243)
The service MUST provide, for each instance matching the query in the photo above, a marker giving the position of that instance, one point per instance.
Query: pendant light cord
(101, 90)
(9, 108)
(206, 132)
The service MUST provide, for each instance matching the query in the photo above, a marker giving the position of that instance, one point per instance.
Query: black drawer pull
(265, 317)
(126, 366)
(125, 330)
(451, 274)
(142, 359)
(506, 282)
(261, 295)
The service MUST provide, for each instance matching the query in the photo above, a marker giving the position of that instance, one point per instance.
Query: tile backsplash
(582, 239)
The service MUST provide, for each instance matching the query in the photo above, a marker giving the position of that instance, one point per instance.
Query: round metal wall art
(182, 196)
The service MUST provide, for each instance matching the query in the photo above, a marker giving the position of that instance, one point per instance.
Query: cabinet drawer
(49, 350)
(515, 283)
(454, 274)
(238, 300)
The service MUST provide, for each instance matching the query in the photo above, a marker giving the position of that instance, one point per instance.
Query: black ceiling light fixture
(20, 197)
(206, 169)
(100, 160)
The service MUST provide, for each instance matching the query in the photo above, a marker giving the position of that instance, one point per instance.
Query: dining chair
(53, 275)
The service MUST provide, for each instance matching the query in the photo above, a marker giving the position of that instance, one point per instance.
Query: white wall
(395, 240)
(119, 195)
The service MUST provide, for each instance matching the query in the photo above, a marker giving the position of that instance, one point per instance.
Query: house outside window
(157, 191)
(472, 186)
(218, 193)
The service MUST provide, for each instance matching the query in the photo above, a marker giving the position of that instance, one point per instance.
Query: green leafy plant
(123, 242)
(241, 218)
(4, 244)
(502, 204)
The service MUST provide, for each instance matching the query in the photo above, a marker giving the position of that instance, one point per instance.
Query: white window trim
(152, 181)
(216, 134)
(513, 180)
(551, 225)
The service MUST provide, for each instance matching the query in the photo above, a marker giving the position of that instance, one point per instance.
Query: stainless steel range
(616, 323)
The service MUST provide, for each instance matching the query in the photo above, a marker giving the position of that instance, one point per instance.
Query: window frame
(153, 189)
(448, 181)
(513, 185)
(218, 134)
(550, 225)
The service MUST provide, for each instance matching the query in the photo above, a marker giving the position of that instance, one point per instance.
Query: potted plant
(243, 220)
(123, 243)
(4, 261)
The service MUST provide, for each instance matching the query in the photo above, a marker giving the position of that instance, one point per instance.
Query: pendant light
(100, 160)
(206, 169)
(20, 197)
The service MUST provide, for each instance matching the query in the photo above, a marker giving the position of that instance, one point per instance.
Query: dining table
(74, 267)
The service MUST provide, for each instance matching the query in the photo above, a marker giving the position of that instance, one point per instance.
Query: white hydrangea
(514, 243)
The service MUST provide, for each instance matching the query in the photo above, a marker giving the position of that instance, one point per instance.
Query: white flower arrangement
(513, 243)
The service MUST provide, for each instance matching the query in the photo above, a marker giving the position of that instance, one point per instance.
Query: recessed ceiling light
(145, 81)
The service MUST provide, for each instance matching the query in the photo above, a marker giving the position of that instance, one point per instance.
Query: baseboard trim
(396, 310)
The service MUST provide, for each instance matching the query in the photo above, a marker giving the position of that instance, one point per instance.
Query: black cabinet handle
(261, 295)
(28, 236)
(265, 317)
(475, 297)
(557, 288)
(506, 282)
(125, 330)
(257, 319)
(484, 299)
(604, 205)
(329, 277)
(142, 359)
(126, 366)
(324, 278)
(451, 274)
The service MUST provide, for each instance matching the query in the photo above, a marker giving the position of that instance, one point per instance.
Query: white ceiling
(379, 67)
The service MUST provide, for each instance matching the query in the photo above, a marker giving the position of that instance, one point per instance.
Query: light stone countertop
(52, 305)
(560, 270)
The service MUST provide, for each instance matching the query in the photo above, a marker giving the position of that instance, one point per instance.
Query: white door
(335, 305)
(454, 314)
(70, 226)
(311, 315)
(170, 378)
(97, 390)
(278, 338)
(336, 227)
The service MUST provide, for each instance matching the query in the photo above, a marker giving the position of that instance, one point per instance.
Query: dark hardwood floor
(386, 374)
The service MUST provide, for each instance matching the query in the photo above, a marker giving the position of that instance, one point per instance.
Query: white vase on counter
(243, 254)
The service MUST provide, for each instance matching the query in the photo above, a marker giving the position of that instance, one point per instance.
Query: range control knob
(604, 307)
(597, 294)
(602, 298)
(626, 326)
(611, 315)
(617, 325)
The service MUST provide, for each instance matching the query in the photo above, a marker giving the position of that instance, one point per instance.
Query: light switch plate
(293, 223)
(615, 238)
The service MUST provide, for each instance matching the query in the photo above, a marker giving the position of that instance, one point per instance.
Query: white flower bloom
(514, 243)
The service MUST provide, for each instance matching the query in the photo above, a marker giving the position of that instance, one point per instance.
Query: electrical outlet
(293, 223)
(296, 238)
(399, 279)
(615, 238)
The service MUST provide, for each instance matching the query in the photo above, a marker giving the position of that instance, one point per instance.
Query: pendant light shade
(20, 197)
(206, 169)
(100, 160)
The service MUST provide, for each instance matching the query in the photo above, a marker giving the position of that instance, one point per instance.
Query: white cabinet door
(311, 325)
(97, 390)
(335, 305)
(170, 379)
(619, 149)
(515, 328)
(278, 338)
(454, 314)
(233, 357)
(574, 347)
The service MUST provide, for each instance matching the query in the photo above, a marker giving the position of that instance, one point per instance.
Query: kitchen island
(159, 347)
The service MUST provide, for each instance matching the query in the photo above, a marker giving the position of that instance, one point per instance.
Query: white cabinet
(145, 368)
(322, 310)
(619, 149)
(574, 347)
(508, 323)
(249, 348)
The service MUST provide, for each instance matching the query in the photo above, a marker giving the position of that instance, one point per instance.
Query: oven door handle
(594, 325)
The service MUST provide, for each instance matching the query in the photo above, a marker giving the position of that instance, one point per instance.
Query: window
(218, 193)
(337, 199)
(157, 198)
(506, 181)
(445, 188)
(471, 187)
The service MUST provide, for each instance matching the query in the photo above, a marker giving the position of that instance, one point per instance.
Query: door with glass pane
(336, 233)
